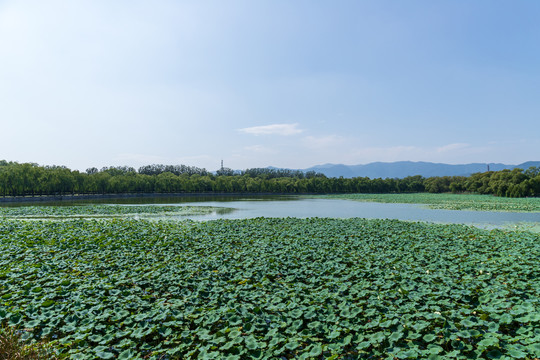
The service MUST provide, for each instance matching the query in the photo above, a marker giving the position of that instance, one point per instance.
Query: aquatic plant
(271, 288)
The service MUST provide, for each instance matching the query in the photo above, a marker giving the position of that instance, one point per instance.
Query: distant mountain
(528, 164)
(401, 169)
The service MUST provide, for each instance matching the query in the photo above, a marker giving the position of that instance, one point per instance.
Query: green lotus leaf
(355, 312)
(505, 319)
(208, 355)
(138, 333)
(464, 334)
(517, 354)
(104, 355)
(407, 354)
(251, 343)
(314, 325)
(68, 329)
(248, 327)
(170, 288)
(494, 354)
(95, 338)
(234, 333)
(140, 317)
(488, 342)
(127, 354)
(165, 331)
(524, 319)
(346, 313)
(26, 335)
(291, 345)
(386, 324)
(493, 327)
(235, 320)
(395, 336)
(107, 338)
(345, 340)
(434, 349)
(46, 331)
(334, 334)
(80, 356)
(377, 337)
(275, 341)
(315, 350)
(32, 323)
(534, 348)
(420, 325)
(297, 324)
(363, 345)
(468, 323)
(296, 313)
(47, 303)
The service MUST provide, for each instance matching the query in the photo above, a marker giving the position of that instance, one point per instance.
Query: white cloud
(273, 129)
(260, 149)
(452, 147)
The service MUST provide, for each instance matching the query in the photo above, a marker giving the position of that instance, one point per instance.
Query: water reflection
(158, 200)
(242, 207)
(346, 209)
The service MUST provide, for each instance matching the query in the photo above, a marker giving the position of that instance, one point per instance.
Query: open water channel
(242, 207)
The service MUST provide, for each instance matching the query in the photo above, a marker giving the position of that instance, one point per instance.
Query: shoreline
(75, 197)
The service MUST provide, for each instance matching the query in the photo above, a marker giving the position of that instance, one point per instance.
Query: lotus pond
(479, 210)
(471, 202)
(269, 288)
(107, 211)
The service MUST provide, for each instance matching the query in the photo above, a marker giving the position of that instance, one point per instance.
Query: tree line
(29, 179)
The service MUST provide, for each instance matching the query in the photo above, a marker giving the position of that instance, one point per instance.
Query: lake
(295, 206)
(243, 207)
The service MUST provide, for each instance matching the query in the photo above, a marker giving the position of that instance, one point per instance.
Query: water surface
(293, 206)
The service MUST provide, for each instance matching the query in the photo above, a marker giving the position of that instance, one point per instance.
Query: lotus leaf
(315, 288)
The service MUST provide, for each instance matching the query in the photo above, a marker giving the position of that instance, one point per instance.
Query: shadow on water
(158, 200)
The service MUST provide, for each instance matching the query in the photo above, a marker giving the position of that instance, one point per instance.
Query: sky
(291, 84)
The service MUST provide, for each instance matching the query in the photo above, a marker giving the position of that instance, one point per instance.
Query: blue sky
(268, 83)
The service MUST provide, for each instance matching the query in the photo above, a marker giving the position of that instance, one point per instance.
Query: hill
(401, 169)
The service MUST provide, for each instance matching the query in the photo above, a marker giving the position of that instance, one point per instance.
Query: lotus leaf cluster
(102, 211)
(271, 289)
(472, 202)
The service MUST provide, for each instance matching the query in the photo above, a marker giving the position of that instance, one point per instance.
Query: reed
(12, 347)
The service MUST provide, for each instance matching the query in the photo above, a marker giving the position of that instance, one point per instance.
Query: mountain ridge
(401, 169)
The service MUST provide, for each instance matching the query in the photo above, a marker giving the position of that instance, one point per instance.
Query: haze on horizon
(268, 83)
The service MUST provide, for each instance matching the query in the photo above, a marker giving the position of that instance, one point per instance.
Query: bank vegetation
(29, 179)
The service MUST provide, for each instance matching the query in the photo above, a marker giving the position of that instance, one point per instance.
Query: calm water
(346, 209)
(292, 206)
